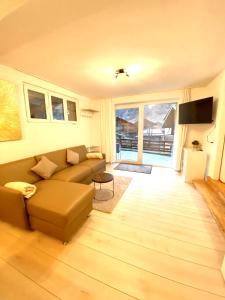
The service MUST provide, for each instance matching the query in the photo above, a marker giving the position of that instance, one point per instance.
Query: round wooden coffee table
(103, 194)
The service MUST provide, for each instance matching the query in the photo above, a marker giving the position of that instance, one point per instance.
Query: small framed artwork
(10, 128)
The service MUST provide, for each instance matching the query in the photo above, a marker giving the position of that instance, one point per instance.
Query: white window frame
(48, 104)
(77, 108)
(51, 108)
(27, 103)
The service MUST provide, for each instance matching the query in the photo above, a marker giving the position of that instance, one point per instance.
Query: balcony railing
(151, 146)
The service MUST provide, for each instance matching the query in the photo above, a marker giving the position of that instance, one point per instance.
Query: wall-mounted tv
(196, 112)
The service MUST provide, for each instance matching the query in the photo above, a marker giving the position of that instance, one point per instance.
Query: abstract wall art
(10, 128)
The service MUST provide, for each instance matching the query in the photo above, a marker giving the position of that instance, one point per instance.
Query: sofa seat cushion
(73, 174)
(58, 202)
(94, 164)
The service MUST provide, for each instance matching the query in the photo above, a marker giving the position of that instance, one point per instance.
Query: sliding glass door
(127, 130)
(145, 133)
(158, 134)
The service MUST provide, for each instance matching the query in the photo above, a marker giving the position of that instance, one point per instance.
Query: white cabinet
(194, 164)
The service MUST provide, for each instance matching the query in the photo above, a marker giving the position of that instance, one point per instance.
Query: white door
(129, 133)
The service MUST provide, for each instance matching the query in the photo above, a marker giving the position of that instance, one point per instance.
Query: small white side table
(194, 164)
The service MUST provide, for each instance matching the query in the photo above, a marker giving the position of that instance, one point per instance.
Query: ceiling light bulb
(134, 69)
(121, 71)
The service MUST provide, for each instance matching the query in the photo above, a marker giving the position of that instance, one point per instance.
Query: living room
(160, 239)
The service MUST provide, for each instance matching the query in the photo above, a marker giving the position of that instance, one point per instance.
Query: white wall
(201, 132)
(153, 97)
(198, 131)
(194, 132)
(108, 115)
(211, 136)
(95, 130)
(41, 137)
(222, 174)
(217, 89)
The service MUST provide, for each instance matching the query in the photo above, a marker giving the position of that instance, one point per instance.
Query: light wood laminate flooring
(159, 243)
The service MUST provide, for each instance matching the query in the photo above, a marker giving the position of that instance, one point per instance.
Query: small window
(37, 105)
(71, 111)
(43, 105)
(57, 108)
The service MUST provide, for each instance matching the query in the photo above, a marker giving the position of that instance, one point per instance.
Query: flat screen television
(196, 112)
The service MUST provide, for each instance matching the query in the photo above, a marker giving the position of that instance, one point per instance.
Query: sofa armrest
(12, 207)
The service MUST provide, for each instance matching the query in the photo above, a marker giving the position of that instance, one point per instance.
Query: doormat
(134, 168)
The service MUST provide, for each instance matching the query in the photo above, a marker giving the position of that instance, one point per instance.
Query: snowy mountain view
(157, 133)
(155, 113)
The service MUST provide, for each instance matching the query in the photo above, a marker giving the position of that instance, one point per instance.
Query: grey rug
(121, 184)
(134, 168)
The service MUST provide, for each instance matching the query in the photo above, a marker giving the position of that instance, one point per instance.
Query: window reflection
(37, 105)
(57, 108)
(71, 111)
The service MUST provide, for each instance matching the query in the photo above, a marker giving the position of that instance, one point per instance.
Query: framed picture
(10, 128)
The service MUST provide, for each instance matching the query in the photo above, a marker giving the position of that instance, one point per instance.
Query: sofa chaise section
(12, 204)
(59, 207)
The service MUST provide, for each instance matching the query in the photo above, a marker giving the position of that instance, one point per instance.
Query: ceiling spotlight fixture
(121, 71)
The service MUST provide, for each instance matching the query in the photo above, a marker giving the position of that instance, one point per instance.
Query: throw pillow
(44, 168)
(72, 157)
(95, 155)
(25, 188)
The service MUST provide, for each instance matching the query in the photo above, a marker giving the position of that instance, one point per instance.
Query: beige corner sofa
(60, 204)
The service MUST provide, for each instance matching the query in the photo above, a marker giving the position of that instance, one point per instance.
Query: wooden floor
(159, 243)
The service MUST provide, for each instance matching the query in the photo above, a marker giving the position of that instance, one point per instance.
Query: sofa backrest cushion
(58, 157)
(45, 168)
(19, 170)
(81, 150)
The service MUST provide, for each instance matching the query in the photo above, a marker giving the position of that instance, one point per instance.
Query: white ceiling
(8, 6)
(78, 44)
